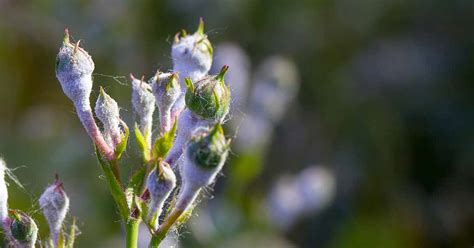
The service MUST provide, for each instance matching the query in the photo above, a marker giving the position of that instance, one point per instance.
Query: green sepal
(61, 240)
(142, 143)
(120, 148)
(200, 29)
(72, 234)
(189, 84)
(163, 143)
(137, 179)
(114, 185)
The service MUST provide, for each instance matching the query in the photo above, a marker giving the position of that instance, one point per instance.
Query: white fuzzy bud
(107, 111)
(192, 58)
(74, 67)
(160, 183)
(204, 158)
(143, 103)
(55, 204)
(167, 90)
(188, 122)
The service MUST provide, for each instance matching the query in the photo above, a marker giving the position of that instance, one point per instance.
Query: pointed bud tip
(200, 29)
(222, 73)
(66, 35)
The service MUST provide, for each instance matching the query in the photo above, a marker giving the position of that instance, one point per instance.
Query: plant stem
(164, 228)
(132, 232)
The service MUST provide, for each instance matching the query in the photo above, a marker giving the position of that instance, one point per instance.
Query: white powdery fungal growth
(204, 158)
(192, 58)
(160, 183)
(143, 103)
(3, 192)
(74, 67)
(107, 111)
(55, 204)
(207, 103)
(167, 90)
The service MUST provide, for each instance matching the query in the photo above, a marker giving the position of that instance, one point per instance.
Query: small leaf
(61, 239)
(72, 234)
(123, 144)
(142, 143)
(163, 143)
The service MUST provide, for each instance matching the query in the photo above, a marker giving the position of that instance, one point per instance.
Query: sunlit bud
(74, 67)
(192, 54)
(107, 111)
(160, 183)
(143, 103)
(23, 229)
(204, 158)
(55, 204)
(167, 90)
(209, 97)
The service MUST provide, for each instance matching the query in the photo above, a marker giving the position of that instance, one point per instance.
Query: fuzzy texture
(204, 159)
(74, 67)
(167, 90)
(160, 183)
(107, 111)
(24, 230)
(3, 192)
(187, 123)
(192, 58)
(209, 97)
(143, 103)
(55, 204)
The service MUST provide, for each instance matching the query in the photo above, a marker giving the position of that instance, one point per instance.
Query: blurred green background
(386, 103)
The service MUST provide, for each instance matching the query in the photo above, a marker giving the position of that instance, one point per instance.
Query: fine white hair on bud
(3, 192)
(160, 183)
(209, 97)
(204, 158)
(74, 67)
(107, 111)
(167, 90)
(55, 204)
(23, 230)
(275, 86)
(143, 103)
(192, 58)
(187, 123)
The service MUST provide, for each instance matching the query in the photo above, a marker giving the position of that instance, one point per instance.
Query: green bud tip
(222, 73)
(184, 33)
(102, 92)
(66, 36)
(200, 29)
(189, 84)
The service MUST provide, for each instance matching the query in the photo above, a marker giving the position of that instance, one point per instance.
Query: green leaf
(114, 185)
(123, 144)
(142, 143)
(163, 143)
